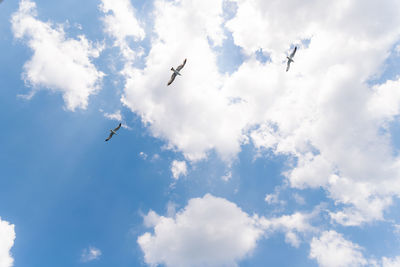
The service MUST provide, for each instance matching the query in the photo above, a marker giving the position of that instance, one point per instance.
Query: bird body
(176, 72)
(112, 132)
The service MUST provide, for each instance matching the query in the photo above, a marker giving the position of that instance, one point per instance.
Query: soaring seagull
(290, 58)
(112, 132)
(176, 72)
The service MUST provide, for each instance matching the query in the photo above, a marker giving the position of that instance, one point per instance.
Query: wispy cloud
(90, 254)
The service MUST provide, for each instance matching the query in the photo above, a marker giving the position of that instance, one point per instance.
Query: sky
(236, 163)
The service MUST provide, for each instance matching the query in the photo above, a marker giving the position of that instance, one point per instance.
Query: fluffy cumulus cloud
(59, 64)
(178, 168)
(323, 112)
(331, 249)
(7, 237)
(192, 114)
(210, 231)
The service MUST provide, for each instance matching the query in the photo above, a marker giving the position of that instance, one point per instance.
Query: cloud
(395, 262)
(209, 231)
(178, 168)
(7, 237)
(292, 225)
(191, 114)
(90, 254)
(273, 198)
(59, 64)
(212, 231)
(120, 23)
(323, 113)
(332, 250)
(114, 116)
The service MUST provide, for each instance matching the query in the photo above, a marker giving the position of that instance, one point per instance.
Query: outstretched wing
(116, 129)
(288, 65)
(109, 137)
(294, 52)
(181, 66)
(172, 78)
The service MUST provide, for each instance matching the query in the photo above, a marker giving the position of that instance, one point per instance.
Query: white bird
(290, 58)
(112, 132)
(176, 72)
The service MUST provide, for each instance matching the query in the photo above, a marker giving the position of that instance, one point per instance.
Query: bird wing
(181, 66)
(172, 78)
(109, 137)
(116, 129)
(288, 65)
(294, 52)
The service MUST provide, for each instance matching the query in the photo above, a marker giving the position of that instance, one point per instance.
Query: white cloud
(272, 198)
(209, 231)
(7, 237)
(114, 116)
(332, 250)
(212, 231)
(178, 169)
(395, 262)
(151, 219)
(191, 114)
(121, 23)
(292, 225)
(322, 112)
(59, 64)
(90, 254)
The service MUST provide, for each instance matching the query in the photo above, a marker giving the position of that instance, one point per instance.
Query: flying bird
(290, 58)
(176, 72)
(112, 132)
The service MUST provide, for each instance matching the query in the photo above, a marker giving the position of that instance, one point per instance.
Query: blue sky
(272, 168)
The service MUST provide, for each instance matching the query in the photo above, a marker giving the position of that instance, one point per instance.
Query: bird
(290, 58)
(112, 132)
(176, 72)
